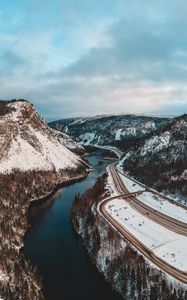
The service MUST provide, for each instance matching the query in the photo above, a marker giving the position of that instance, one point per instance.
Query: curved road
(163, 265)
(156, 216)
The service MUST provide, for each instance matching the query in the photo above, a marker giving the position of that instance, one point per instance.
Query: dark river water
(53, 246)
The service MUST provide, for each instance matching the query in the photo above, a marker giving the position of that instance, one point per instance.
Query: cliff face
(33, 163)
(126, 270)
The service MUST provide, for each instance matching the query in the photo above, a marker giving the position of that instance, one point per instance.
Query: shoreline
(22, 204)
(57, 187)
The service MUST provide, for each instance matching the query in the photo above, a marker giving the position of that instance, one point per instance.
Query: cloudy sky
(87, 57)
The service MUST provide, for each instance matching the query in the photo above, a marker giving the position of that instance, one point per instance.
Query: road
(156, 216)
(116, 151)
(163, 265)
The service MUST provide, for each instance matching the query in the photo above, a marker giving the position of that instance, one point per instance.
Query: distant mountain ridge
(108, 130)
(155, 149)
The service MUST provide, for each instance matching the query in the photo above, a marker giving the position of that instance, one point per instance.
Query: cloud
(10, 62)
(89, 57)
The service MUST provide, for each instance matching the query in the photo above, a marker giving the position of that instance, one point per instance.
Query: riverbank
(52, 245)
(19, 190)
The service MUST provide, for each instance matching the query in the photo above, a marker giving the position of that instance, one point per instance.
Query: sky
(75, 58)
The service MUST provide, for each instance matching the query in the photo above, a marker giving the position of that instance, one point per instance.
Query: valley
(126, 225)
(53, 246)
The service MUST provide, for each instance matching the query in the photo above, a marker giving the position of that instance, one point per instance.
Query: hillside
(28, 143)
(161, 160)
(108, 130)
(70, 143)
(155, 148)
(33, 164)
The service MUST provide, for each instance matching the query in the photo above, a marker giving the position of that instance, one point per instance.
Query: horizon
(97, 116)
(84, 58)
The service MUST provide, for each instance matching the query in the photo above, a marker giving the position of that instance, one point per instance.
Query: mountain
(34, 163)
(155, 149)
(161, 159)
(70, 143)
(28, 143)
(108, 130)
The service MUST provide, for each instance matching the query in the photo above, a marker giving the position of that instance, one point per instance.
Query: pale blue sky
(73, 58)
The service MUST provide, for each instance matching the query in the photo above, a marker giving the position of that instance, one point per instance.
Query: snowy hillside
(70, 143)
(34, 163)
(161, 159)
(28, 143)
(107, 130)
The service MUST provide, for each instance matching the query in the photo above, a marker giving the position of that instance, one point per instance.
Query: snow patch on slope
(156, 143)
(25, 157)
(69, 142)
(118, 134)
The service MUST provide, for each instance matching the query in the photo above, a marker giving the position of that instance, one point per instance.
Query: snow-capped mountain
(28, 143)
(33, 164)
(107, 130)
(161, 159)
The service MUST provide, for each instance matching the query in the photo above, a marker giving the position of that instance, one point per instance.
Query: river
(55, 249)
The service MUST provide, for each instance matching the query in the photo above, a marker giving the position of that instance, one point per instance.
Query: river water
(56, 250)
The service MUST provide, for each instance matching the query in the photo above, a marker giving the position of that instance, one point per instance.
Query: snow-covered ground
(167, 245)
(156, 201)
(159, 203)
(131, 185)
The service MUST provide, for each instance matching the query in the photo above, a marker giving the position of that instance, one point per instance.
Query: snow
(156, 143)
(87, 138)
(110, 184)
(121, 161)
(24, 156)
(68, 142)
(131, 185)
(155, 200)
(165, 206)
(118, 135)
(165, 244)
(3, 277)
(18, 106)
(30, 147)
